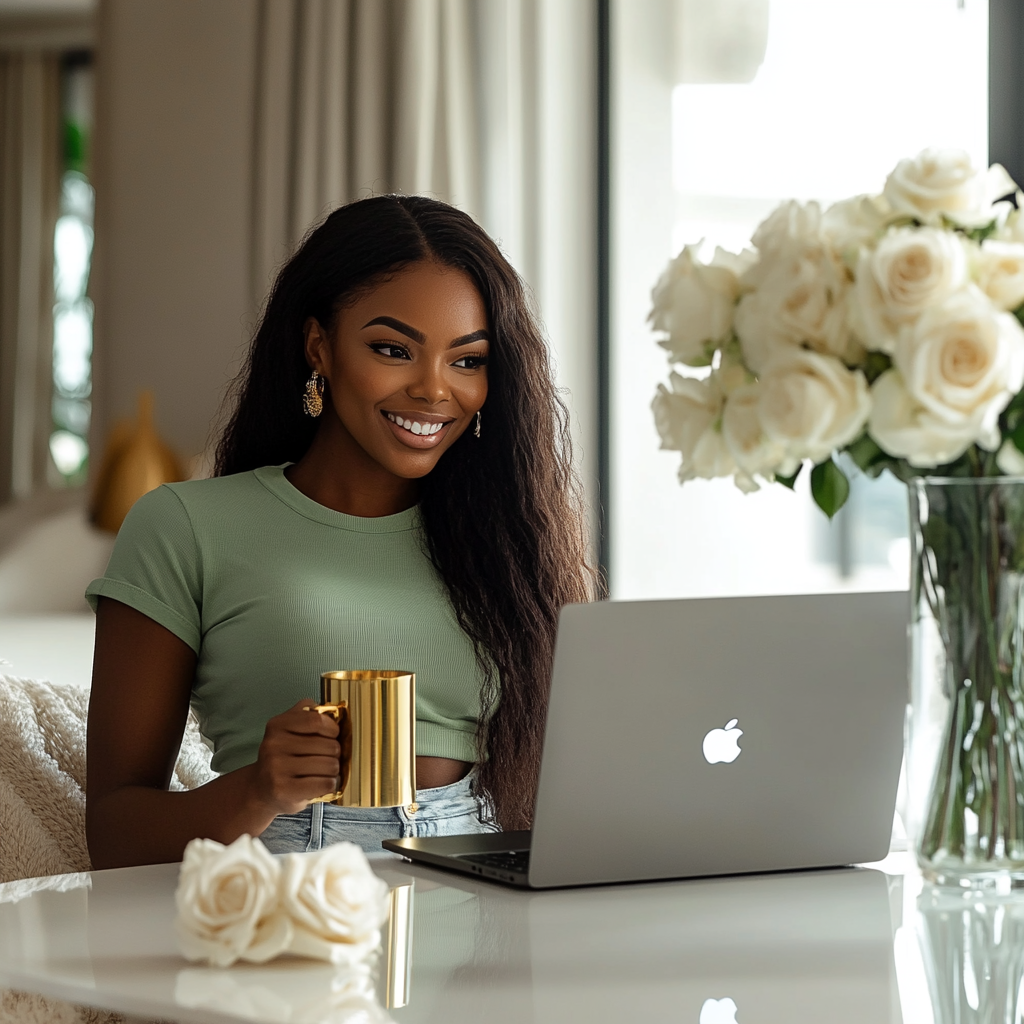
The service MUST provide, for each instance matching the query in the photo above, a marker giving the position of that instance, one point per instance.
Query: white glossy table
(868, 946)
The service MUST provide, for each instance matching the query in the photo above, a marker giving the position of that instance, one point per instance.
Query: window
(719, 112)
(72, 255)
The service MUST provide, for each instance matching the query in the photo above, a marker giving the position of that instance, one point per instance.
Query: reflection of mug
(376, 713)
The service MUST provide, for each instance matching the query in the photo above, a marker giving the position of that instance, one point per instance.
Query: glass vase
(965, 766)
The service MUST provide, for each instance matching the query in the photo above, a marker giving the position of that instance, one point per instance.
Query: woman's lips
(420, 433)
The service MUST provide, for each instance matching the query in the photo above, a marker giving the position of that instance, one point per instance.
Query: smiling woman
(394, 488)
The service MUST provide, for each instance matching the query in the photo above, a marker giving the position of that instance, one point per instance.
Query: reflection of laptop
(776, 949)
(643, 698)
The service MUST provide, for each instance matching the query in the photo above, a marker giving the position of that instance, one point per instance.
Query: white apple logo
(722, 745)
(718, 1011)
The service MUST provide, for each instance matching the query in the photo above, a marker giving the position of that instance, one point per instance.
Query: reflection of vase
(973, 950)
(135, 462)
(966, 761)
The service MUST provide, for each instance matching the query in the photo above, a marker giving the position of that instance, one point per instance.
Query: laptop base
(496, 856)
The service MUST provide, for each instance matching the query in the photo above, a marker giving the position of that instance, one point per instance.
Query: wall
(172, 168)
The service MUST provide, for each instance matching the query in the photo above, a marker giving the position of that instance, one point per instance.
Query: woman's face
(406, 366)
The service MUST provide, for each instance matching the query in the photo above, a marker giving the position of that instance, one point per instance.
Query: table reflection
(972, 945)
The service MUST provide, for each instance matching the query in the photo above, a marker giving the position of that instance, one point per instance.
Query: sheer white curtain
(487, 104)
(29, 189)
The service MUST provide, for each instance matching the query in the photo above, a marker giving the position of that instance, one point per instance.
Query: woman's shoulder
(239, 493)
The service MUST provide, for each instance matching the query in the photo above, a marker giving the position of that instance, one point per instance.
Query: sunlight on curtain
(832, 95)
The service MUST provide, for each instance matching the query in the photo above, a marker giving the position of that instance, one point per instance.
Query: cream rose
(940, 183)
(688, 421)
(754, 452)
(999, 272)
(800, 300)
(911, 269)
(335, 902)
(228, 903)
(853, 224)
(906, 430)
(791, 225)
(693, 304)
(963, 361)
(811, 404)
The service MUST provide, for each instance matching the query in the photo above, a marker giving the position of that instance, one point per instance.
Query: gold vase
(135, 462)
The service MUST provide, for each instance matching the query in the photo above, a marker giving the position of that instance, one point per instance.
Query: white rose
(228, 903)
(907, 430)
(791, 225)
(812, 404)
(941, 183)
(688, 421)
(800, 299)
(852, 224)
(999, 272)
(911, 269)
(335, 902)
(963, 361)
(693, 304)
(753, 450)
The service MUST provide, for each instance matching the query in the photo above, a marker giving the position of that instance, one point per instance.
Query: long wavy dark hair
(503, 514)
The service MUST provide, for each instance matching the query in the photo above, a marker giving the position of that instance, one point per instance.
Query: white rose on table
(811, 404)
(228, 903)
(800, 299)
(911, 269)
(335, 902)
(755, 453)
(943, 183)
(687, 417)
(999, 272)
(693, 303)
(962, 361)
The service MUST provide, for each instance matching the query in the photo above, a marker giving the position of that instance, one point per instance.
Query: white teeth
(415, 427)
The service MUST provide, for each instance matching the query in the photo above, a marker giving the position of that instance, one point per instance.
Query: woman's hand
(298, 760)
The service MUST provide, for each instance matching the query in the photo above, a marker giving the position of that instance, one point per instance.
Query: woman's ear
(317, 346)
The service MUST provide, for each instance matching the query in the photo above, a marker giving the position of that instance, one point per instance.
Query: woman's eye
(390, 349)
(470, 362)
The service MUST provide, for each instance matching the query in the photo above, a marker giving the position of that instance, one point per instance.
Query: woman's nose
(430, 384)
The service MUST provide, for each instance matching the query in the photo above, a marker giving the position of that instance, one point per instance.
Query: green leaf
(789, 481)
(865, 452)
(829, 487)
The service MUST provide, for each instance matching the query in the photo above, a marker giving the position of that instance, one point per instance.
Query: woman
(393, 490)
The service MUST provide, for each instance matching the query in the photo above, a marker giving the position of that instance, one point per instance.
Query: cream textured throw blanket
(42, 808)
(42, 777)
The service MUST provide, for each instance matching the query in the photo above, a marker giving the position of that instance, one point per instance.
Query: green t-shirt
(270, 589)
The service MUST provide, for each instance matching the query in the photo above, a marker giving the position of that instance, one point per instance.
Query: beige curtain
(29, 191)
(486, 104)
(356, 97)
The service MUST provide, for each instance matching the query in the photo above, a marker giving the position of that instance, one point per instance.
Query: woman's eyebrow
(397, 325)
(419, 336)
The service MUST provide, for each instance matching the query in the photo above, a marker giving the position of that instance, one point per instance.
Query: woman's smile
(417, 429)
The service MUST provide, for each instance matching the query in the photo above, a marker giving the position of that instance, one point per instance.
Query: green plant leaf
(789, 481)
(865, 452)
(829, 487)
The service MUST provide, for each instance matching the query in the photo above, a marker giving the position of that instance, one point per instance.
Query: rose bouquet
(888, 327)
(885, 326)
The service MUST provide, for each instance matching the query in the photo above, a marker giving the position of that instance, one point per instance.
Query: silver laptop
(708, 737)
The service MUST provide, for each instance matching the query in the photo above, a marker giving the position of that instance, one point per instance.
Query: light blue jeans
(444, 811)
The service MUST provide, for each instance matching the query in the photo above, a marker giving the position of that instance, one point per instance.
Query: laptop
(710, 736)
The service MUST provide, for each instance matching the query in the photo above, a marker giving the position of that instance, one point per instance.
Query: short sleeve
(154, 567)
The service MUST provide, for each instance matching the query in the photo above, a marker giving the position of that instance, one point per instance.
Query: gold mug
(376, 713)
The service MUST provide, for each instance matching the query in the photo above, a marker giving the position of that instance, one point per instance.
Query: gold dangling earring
(476, 429)
(312, 398)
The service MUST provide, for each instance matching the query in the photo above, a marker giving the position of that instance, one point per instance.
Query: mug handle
(340, 713)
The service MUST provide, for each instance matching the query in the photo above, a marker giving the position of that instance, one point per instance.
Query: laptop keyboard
(504, 860)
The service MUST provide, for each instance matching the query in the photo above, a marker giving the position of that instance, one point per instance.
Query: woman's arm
(142, 680)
